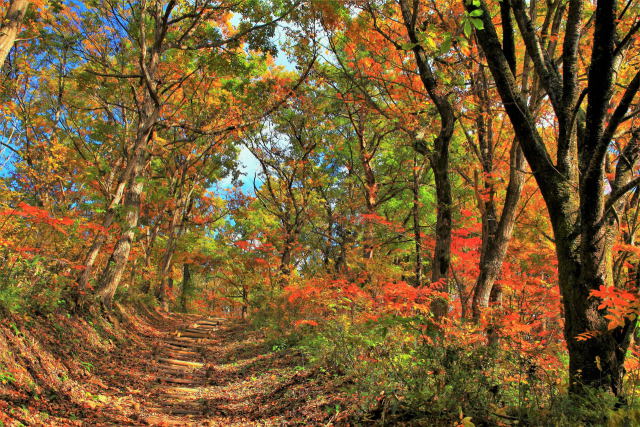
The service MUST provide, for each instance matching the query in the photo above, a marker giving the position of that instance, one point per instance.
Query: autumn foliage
(437, 201)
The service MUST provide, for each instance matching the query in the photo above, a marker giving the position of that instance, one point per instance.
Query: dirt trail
(175, 370)
(182, 373)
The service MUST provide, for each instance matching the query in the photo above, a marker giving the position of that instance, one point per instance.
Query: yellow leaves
(90, 46)
(464, 421)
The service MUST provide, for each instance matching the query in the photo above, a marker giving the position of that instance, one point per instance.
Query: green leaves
(466, 27)
(445, 46)
(472, 20)
(408, 45)
(477, 23)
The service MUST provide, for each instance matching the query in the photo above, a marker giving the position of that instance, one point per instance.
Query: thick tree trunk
(101, 237)
(573, 187)
(596, 361)
(11, 26)
(285, 257)
(112, 274)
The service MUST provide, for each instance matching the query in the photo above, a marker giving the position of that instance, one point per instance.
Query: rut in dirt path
(182, 370)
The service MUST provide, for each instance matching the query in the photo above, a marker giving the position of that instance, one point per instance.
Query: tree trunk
(439, 157)
(148, 113)
(245, 302)
(371, 199)
(573, 186)
(285, 257)
(597, 361)
(415, 210)
(112, 274)
(442, 251)
(101, 237)
(167, 258)
(151, 239)
(11, 26)
(186, 287)
(496, 238)
(496, 234)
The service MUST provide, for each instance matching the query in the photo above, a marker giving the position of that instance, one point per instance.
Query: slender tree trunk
(245, 302)
(415, 210)
(442, 251)
(167, 258)
(439, 156)
(496, 234)
(371, 200)
(186, 287)
(497, 237)
(152, 235)
(11, 26)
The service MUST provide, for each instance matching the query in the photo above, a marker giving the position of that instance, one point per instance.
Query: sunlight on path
(181, 372)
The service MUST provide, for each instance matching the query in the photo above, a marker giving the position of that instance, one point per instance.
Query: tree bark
(186, 287)
(165, 264)
(573, 187)
(112, 274)
(148, 113)
(442, 252)
(101, 237)
(497, 237)
(11, 26)
(438, 157)
(415, 211)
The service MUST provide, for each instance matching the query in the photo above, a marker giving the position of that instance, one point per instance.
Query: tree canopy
(440, 190)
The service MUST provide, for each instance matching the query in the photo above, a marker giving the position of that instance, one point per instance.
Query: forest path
(182, 373)
(160, 369)
(217, 372)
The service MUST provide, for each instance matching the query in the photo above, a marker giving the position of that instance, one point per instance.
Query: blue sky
(248, 164)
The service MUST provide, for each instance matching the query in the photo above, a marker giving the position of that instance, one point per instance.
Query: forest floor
(158, 369)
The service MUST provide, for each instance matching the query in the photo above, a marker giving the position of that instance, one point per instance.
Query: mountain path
(181, 370)
(167, 369)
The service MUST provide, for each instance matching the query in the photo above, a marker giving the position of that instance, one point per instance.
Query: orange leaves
(328, 298)
(585, 336)
(39, 216)
(377, 219)
(466, 212)
(243, 244)
(402, 298)
(297, 293)
(620, 304)
(622, 247)
(299, 323)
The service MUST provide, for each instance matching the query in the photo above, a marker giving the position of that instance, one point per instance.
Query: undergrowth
(404, 372)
